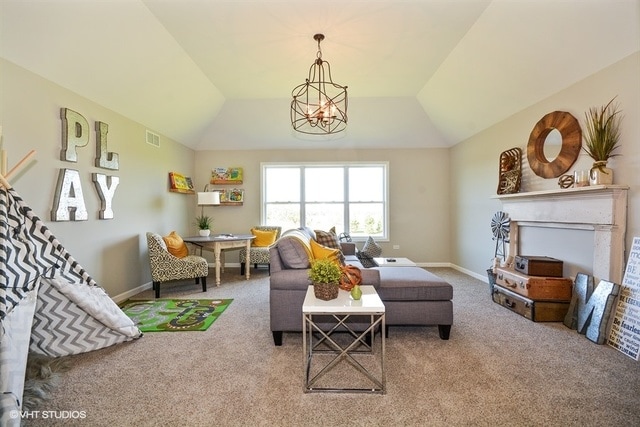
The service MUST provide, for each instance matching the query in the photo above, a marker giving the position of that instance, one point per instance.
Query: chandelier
(319, 105)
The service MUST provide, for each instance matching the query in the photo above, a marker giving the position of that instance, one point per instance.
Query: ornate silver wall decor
(68, 203)
(591, 307)
(104, 159)
(106, 192)
(75, 133)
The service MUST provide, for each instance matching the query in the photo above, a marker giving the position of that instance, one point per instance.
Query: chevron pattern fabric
(28, 250)
(47, 298)
(61, 327)
(14, 350)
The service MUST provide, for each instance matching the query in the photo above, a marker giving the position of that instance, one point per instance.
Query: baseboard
(482, 277)
(433, 264)
(228, 264)
(126, 295)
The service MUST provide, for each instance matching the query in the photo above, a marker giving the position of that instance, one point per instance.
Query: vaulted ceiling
(218, 74)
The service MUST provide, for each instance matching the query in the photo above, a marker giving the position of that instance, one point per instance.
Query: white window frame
(384, 165)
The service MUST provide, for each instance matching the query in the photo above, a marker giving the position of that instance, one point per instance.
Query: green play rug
(172, 315)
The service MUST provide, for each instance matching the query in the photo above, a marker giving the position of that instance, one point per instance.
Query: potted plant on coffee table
(203, 223)
(601, 138)
(325, 277)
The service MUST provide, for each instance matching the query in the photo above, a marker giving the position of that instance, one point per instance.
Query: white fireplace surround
(601, 208)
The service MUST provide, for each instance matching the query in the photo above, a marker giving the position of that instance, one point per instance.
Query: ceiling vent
(153, 138)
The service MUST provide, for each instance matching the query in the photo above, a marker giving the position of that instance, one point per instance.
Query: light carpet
(498, 369)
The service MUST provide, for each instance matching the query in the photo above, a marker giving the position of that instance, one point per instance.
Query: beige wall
(418, 189)
(474, 166)
(112, 251)
(441, 202)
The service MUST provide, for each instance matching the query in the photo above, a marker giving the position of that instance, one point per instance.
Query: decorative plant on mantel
(325, 275)
(601, 139)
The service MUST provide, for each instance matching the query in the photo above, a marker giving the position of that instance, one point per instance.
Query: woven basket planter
(325, 291)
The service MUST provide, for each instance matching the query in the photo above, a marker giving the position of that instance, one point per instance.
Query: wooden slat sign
(625, 329)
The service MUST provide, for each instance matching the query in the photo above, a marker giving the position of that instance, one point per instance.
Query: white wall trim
(481, 277)
(126, 295)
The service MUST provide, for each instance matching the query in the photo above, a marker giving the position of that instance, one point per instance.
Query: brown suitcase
(538, 311)
(535, 287)
(538, 266)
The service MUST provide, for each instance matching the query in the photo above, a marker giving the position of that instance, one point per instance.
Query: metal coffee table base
(342, 352)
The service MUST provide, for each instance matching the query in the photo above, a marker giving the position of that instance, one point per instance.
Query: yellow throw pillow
(263, 237)
(323, 252)
(175, 245)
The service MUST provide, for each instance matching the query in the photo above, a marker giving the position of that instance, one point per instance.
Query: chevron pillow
(371, 248)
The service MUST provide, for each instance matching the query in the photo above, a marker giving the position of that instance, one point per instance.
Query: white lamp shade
(209, 198)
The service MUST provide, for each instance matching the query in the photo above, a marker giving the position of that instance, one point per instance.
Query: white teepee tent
(48, 304)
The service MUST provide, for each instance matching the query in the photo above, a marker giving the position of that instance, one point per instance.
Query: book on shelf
(180, 182)
(235, 195)
(232, 175)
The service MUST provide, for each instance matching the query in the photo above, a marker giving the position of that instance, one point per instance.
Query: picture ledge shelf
(178, 190)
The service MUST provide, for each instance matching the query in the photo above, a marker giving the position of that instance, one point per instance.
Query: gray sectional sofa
(411, 295)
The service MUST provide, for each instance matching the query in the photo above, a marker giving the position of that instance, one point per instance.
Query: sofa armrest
(370, 276)
(348, 248)
(291, 279)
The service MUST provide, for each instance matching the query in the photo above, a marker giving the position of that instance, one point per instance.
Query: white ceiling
(216, 74)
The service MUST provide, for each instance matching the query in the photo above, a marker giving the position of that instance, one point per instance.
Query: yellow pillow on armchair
(175, 245)
(263, 238)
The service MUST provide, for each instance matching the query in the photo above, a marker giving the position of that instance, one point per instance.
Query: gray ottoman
(413, 296)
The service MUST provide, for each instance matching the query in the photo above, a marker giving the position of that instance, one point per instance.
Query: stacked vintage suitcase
(534, 288)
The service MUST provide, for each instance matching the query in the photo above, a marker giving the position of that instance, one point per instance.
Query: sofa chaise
(411, 295)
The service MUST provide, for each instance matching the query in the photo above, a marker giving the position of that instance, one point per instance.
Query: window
(352, 197)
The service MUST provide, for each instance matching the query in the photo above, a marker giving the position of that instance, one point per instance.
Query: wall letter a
(68, 203)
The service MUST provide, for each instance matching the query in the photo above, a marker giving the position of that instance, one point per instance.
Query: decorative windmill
(500, 229)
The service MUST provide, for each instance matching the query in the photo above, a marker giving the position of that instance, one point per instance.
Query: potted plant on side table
(601, 138)
(325, 277)
(203, 223)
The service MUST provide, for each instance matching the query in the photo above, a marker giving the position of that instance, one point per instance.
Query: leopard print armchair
(258, 255)
(165, 267)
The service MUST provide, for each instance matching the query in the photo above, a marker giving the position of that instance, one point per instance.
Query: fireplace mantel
(601, 208)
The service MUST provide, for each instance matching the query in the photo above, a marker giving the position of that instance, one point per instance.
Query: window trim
(385, 167)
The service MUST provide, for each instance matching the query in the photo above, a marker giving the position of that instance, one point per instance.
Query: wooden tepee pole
(3, 179)
(4, 182)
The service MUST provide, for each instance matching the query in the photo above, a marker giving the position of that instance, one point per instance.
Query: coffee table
(397, 262)
(340, 309)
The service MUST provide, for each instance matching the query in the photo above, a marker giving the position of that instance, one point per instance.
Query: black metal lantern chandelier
(319, 105)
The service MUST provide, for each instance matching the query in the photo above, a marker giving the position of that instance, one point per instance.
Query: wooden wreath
(571, 133)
